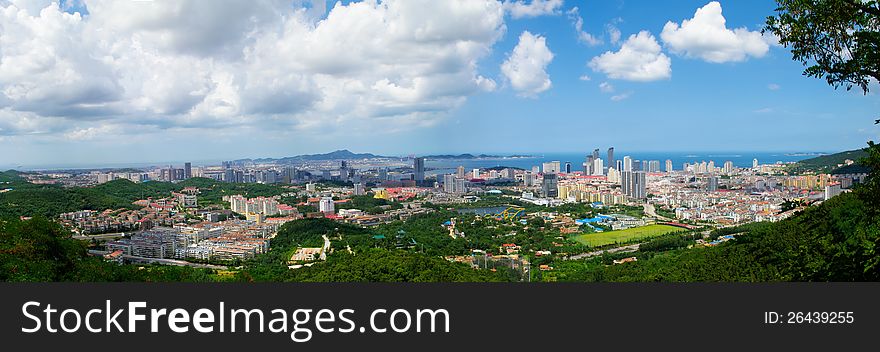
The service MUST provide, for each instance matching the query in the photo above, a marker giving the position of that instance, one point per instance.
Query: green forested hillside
(28, 199)
(828, 163)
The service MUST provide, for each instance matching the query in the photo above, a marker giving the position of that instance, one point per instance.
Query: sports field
(620, 236)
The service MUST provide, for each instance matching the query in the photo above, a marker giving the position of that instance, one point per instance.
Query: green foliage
(27, 199)
(379, 265)
(836, 39)
(41, 250)
(826, 163)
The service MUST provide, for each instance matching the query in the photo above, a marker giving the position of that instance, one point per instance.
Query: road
(325, 248)
(624, 249)
(145, 260)
(103, 236)
(650, 211)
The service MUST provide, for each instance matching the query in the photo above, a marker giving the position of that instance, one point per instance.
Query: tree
(836, 39)
(840, 41)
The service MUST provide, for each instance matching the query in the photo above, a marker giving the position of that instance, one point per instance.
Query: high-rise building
(610, 160)
(550, 185)
(595, 153)
(755, 163)
(419, 169)
(712, 183)
(567, 167)
(529, 179)
(551, 167)
(633, 184)
(627, 164)
(383, 174)
(598, 168)
(187, 170)
(652, 166)
(449, 183)
(359, 189)
(326, 205)
(613, 175)
(460, 171)
(475, 173)
(832, 190)
(669, 165)
(588, 165)
(711, 167)
(728, 167)
(536, 169)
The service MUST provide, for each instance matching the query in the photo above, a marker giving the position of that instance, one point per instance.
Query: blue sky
(173, 81)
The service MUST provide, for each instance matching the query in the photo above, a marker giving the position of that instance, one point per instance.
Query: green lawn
(611, 237)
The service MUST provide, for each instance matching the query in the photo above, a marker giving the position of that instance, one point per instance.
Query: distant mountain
(342, 154)
(830, 163)
(471, 156)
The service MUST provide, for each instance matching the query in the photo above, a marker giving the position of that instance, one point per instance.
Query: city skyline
(541, 75)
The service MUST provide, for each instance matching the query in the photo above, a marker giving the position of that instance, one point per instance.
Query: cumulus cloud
(534, 8)
(526, 67)
(707, 37)
(640, 58)
(606, 87)
(225, 64)
(578, 22)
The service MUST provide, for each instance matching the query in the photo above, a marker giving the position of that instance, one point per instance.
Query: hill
(343, 154)
(828, 163)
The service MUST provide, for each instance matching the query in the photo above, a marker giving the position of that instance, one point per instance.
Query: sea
(743, 159)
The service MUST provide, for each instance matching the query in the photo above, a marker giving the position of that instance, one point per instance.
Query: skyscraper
(627, 164)
(187, 170)
(550, 185)
(595, 153)
(598, 168)
(755, 163)
(633, 184)
(610, 160)
(567, 167)
(460, 171)
(728, 167)
(668, 165)
(588, 165)
(475, 173)
(419, 169)
(551, 167)
(449, 183)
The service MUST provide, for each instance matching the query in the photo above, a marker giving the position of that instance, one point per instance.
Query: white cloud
(606, 87)
(534, 8)
(707, 37)
(263, 64)
(578, 23)
(773, 86)
(613, 33)
(526, 67)
(621, 96)
(639, 59)
(584, 78)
